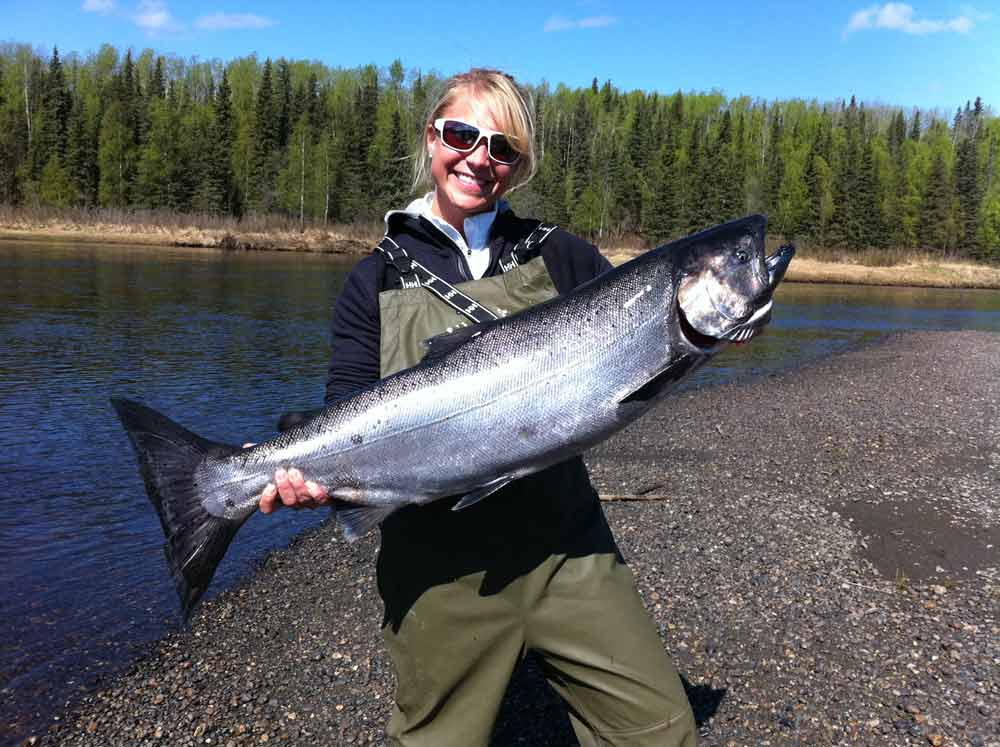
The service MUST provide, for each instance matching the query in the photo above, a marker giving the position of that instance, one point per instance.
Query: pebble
(769, 583)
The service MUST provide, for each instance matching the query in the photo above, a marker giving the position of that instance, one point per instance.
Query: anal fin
(482, 492)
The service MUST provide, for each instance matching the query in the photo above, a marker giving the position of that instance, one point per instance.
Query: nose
(479, 156)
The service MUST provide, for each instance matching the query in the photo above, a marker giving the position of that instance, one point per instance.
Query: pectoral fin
(664, 379)
(482, 492)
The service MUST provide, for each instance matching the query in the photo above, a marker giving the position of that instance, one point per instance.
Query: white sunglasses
(464, 137)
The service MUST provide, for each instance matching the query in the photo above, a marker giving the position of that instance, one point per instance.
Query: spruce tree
(218, 179)
(157, 83)
(812, 221)
(264, 159)
(579, 157)
(775, 166)
(868, 213)
(282, 106)
(967, 192)
(366, 113)
(607, 97)
(81, 156)
(699, 209)
(936, 208)
(50, 140)
(663, 220)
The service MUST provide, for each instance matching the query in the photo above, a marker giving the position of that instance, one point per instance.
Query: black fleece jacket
(355, 335)
(552, 511)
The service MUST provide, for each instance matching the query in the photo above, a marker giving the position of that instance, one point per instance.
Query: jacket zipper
(460, 264)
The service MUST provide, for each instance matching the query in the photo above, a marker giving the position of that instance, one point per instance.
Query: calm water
(223, 343)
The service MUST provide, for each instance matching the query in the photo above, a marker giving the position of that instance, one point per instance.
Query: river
(224, 343)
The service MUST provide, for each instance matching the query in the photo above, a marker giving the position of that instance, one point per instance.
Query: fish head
(726, 282)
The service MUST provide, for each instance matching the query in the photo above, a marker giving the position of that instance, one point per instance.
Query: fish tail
(168, 456)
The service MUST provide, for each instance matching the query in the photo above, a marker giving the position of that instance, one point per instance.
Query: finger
(298, 483)
(285, 489)
(269, 499)
(318, 493)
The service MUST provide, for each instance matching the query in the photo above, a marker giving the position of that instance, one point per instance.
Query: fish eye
(742, 255)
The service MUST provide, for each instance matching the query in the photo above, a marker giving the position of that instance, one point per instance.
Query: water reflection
(223, 343)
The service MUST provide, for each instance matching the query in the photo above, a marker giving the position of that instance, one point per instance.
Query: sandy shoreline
(925, 274)
(819, 555)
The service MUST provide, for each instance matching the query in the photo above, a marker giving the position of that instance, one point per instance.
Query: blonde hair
(494, 92)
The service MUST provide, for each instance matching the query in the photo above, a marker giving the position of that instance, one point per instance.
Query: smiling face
(466, 183)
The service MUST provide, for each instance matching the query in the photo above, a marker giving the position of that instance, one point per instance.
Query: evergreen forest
(322, 145)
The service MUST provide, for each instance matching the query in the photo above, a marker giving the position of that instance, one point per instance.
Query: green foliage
(989, 233)
(55, 186)
(327, 144)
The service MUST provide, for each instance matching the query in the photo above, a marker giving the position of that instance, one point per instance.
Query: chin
(470, 202)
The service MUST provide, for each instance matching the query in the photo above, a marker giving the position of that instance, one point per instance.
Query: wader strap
(527, 247)
(412, 274)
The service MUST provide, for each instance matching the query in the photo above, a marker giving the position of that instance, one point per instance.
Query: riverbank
(352, 242)
(818, 549)
(310, 240)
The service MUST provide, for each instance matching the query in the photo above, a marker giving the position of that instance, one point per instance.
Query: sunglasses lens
(464, 137)
(459, 135)
(501, 149)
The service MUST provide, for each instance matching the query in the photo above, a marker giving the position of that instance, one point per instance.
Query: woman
(534, 566)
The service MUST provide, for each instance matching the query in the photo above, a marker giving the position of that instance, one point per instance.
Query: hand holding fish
(292, 490)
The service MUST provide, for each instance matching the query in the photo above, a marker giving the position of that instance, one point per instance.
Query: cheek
(440, 164)
(504, 175)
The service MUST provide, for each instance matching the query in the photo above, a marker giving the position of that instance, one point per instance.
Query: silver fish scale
(529, 391)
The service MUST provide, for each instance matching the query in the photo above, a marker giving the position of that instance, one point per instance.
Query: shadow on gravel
(704, 699)
(532, 713)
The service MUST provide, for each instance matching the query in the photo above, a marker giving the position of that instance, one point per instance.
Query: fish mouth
(693, 336)
(777, 264)
(745, 331)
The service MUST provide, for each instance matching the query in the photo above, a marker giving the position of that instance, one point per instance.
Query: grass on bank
(170, 228)
(284, 233)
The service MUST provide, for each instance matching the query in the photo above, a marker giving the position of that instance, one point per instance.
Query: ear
(431, 137)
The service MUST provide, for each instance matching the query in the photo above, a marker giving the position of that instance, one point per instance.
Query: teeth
(466, 179)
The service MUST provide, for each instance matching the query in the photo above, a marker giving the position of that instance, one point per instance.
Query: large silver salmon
(488, 403)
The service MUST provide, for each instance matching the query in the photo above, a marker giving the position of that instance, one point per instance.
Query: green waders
(469, 593)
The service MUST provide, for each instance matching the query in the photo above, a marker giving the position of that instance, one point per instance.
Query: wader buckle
(396, 256)
(527, 248)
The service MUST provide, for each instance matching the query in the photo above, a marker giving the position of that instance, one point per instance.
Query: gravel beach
(819, 549)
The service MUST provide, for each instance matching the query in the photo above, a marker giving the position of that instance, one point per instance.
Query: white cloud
(225, 21)
(98, 6)
(560, 23)
(154, 16)
(900, 17)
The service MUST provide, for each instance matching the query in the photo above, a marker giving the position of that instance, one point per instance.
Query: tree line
(325, 145)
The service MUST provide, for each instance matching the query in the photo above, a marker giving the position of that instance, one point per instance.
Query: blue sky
(928, 53)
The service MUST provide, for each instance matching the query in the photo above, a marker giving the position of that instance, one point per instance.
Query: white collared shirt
(475, 245)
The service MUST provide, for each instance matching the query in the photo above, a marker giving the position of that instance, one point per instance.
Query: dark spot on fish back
(230, 503)
(357, 438)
